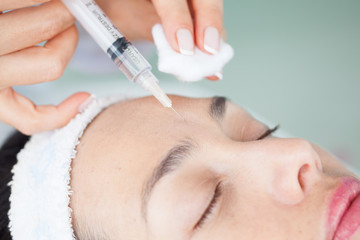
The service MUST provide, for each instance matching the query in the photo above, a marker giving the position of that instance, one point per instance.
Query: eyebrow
(170, 163)
(178, 154)
(218, 107)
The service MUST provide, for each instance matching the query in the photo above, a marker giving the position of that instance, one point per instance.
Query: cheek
(251, 217)
(332, 166)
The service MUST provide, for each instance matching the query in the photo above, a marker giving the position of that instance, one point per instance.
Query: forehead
(145, 125)
(150, 108)
(146, 117)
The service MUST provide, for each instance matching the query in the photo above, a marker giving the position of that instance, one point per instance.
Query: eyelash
(268, 132)
(209, 210)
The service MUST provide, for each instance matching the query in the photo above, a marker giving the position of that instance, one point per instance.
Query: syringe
(119, 49)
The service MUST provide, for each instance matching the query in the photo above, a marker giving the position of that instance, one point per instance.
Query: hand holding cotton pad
(189, 68)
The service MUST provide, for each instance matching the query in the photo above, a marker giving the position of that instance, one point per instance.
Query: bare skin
(269, 189)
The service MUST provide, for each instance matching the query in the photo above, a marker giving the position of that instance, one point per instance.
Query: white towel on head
(189, 68)
(40, 187)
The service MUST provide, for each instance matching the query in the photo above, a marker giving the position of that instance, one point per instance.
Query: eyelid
(268, 132)
(211, 206)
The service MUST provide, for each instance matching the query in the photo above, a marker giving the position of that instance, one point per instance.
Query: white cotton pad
(189, 68)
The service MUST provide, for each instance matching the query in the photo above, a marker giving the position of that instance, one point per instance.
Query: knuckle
(26, 129)
(211, 13)
(52, 24)
(179, 17)
(50, 29)
(55, 67)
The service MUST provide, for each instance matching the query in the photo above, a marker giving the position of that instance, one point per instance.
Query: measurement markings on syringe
(101, 16)
(111, 28)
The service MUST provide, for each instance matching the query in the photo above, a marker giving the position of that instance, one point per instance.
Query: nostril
(301, 175)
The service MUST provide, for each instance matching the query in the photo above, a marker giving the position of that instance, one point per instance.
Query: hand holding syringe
(119, 49)
(23, 63)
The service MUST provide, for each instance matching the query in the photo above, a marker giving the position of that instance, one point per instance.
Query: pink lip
(344, 214)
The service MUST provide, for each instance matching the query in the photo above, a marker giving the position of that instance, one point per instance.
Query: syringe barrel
(128, 59)
(108, 37)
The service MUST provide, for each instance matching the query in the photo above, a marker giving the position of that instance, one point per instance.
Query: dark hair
(8, 159)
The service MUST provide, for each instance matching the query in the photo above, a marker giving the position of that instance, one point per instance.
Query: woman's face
(143, 173)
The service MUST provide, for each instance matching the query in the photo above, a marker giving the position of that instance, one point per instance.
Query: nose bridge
(286, 168)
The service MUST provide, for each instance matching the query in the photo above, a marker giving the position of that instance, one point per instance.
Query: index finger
(208, 24)
(15, 4)
(21, 113)
(178, 25)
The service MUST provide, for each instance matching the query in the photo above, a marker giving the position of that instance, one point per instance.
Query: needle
(177, 113)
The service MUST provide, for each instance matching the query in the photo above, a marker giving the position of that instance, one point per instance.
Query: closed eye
(210, 208)
(268, 132)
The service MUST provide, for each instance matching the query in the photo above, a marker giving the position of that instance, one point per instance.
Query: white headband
(40, 190)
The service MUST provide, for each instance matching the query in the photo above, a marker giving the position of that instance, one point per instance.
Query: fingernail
(86, 104)
(211, 40)
(219, 75)
(185, 41)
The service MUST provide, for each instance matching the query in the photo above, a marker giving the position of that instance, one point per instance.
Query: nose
(286, 168)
